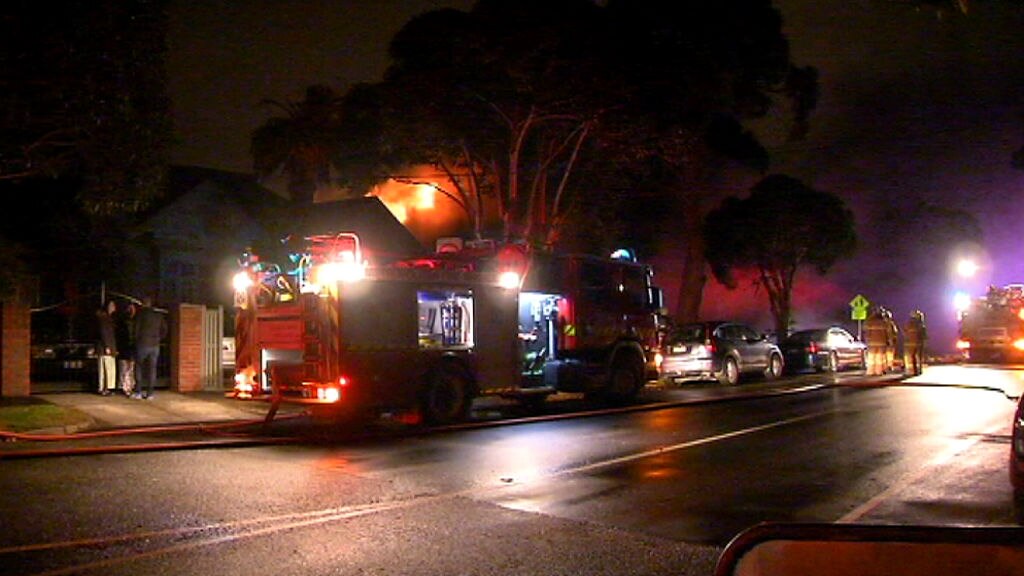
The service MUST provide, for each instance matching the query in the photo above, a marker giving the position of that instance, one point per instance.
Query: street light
(966, 268)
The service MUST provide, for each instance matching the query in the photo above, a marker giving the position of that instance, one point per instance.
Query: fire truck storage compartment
(271, 357)
(445, 318)
(538, 332)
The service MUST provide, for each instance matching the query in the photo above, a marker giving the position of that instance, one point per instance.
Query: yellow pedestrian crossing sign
(859, 307)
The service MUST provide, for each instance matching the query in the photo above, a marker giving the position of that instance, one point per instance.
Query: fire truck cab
(434, 333)
(992, 326)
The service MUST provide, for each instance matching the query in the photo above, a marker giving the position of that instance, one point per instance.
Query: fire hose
(223, 429)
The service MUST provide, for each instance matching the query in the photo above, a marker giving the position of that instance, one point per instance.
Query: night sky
(917, 104)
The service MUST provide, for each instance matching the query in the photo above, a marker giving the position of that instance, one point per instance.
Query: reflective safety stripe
(569, 329)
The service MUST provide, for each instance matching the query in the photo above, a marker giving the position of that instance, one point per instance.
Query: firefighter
(892, 339)
(914, 335)
(875, 338)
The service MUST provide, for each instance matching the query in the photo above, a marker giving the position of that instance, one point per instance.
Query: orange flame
(421, 206)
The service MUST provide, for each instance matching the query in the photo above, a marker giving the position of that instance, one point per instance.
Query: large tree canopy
(532, 108)
(84, 97)
(782, 226)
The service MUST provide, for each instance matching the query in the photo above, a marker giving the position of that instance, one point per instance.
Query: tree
(84, 97)
(531, 107)
(302, 143)
(503, 99)
(782, 226)
(697, 75)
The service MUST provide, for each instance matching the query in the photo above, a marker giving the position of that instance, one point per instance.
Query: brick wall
(15, 342)
(187, 348)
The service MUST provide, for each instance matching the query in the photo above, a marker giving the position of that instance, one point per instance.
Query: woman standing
(107, 348)
(124, 335)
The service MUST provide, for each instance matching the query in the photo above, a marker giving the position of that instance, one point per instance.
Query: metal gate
(213, 342)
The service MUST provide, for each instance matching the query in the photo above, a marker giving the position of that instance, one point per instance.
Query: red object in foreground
(1017, 451)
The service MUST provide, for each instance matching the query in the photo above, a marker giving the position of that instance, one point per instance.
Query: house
(186, 249)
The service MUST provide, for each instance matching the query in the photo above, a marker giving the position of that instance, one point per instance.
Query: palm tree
(301, 143)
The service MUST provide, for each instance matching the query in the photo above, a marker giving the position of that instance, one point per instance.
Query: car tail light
(812, 348)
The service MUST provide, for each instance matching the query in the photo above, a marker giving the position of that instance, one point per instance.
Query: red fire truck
(431, 334)
(992, 326)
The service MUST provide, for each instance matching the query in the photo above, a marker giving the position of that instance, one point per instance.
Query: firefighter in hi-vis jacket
(876, 337)
(914, 336)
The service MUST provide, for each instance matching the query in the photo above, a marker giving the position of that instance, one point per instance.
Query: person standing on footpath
(124, 334)
(876, 337)
(107, 348)
(914, 336)
(892, 339)
(150, 331)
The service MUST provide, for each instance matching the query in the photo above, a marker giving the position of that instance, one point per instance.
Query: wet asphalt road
(645, 492)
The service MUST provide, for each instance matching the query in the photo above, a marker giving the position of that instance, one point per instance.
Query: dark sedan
(722, 351)
(829, 349)
(65, 362)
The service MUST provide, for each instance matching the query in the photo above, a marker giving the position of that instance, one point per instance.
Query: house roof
(383, 237)
(244, 188)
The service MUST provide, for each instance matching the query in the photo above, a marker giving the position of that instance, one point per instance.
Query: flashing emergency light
(623, 254)
(344, 267)
(509, 280)
(242, 281)
(963, 345)
(340, 272)
(1019, 344)
(961, 301)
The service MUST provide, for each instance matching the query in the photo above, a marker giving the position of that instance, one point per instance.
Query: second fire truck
(431, 334)
(992, 326)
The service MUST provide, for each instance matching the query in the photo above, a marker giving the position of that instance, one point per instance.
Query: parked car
(1017, 452)
(827, 349)
(721, 350)
(64, 362)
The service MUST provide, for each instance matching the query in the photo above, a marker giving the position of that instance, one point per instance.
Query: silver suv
(721, 350)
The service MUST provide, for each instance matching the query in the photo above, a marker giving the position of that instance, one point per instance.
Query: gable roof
(244, 188)
(383, 237)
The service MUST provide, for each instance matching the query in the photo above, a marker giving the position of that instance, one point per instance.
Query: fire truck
(429, 335)
(992, 326)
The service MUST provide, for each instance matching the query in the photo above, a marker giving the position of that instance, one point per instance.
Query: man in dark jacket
(150, 331)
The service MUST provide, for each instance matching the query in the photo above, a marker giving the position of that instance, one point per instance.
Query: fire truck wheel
(625, 378)
(447, 396)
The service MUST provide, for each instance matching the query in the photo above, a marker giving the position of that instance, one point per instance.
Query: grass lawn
(24, 414)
